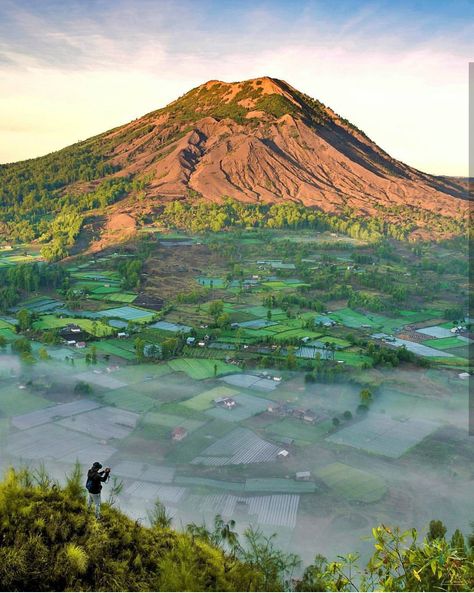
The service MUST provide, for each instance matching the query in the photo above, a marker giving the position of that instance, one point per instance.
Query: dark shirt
(96, 478)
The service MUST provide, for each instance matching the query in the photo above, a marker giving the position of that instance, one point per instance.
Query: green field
(333, 340)
(424, 315)
(356, 320)
(303, 434)
(279, 485)
(192, 445)
(137, 373)
(128, 399)
(171, 421)
(351, 483)
(209, 483)
(114, 296)
(119, 347)
(353, 358)
(204, 400)
(15, 401)
(202, 368)
(445, 343)
(8, 334)
(93, 327)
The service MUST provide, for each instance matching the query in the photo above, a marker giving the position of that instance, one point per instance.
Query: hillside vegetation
(50, 542)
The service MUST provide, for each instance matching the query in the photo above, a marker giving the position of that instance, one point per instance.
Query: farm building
(225, 402)
(303, 476)
(179, 433)
(190, 341)
(283, 454)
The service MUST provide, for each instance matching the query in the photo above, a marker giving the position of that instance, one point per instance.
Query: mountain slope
(258, 141)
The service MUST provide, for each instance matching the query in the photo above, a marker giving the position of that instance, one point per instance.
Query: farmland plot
(383, 435)
(104, 423)
(203, 401)
(53, 412)
(241, 446)
(352, 483)
(201, 369)
(247, 406)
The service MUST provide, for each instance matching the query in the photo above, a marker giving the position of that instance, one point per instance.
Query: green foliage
(201, 215)
(51, 542)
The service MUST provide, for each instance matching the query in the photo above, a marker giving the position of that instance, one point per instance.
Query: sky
(71, 69)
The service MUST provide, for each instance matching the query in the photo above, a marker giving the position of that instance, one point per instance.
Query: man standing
(95, 476)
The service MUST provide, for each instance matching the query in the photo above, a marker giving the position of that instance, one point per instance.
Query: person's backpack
(89, 484)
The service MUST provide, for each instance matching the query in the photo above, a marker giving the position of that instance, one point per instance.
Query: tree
(437, 530)
(216, 308)
(365, 397)
(158, 516)
(93, 355)
(24, 319)
(139, 345)
(82, 388)
(43, 354)
(269, 315)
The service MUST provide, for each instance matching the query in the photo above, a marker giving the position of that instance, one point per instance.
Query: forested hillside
(50, 542)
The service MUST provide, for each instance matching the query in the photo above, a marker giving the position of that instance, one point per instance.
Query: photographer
(95, 476)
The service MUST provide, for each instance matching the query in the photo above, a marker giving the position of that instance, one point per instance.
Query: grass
(138, 373)
(190, 447)
(202, 368)
(209, 483)
(276, 485)
(351, 483)
(353, 359)
(333, 340)
(296, 333)
(171, 421)
(128, 399)
(8, 334)
(445, 343)
(203, 401)
(14, 401)
(95, 328)
(303, 434)
(122, 348)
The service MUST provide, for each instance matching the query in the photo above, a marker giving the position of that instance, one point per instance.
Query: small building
(464, 375)
(122, 335)
(283, 454)
(190, 341)
(74, 329)
(234, 326)
(225, 402)
(71, 342)
(81, 344)
(303, 476)
(309, 417)
(179, 433)
(201, 343)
